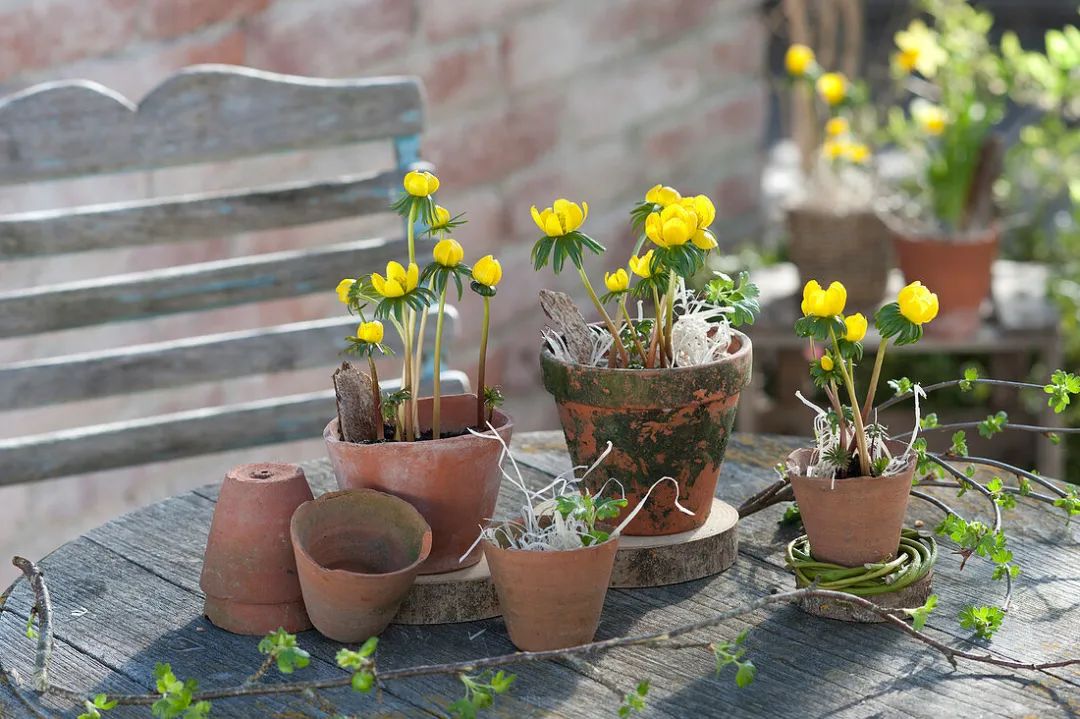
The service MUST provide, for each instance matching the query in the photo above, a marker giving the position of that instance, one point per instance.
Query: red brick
(724, 121)
(652, 20)
(463, 73)
(738, 194)
(445, 19)
(169, 18)
(324, 38)
(738, 49)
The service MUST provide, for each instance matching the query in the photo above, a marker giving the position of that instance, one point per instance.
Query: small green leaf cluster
(959, 447)
(791, 515)
(493, 397)
(901, 386)
(635, 700)
(993, 424)
(589, 510)
(282, 647)
(440, 275)
(971, 375)
(94, 707)
(919, 615)
(930, 421)
(820, 328)
(176, 696)
(1062, 385)
(1070, 503)
(558, 249)
(392, 401)
(480, 692)
(732, 653)
(998, 493)
(740, 294)
(985, 621)
(360, 663)
(975, 537)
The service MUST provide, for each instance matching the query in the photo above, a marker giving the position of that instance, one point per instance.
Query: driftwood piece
(569, 322)
(355, 404)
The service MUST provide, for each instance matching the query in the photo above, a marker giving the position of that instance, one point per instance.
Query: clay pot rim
(988, 234)
(298, 546)
(501, 420)
(906, 471)
(744, 349)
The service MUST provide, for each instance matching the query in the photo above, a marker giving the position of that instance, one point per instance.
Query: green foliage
(901, 386)
(421, 208)
(558, 249)
(391, 402)
(283, 648)
(959, 447)
(740, 294)
(684, 260)
(792, 515)
(731, 654)
(439, 275)
(31, 629)
(819, 328)
(985, 621)
(971, 375)
(1070, 503)
(493, 397)
(929, 421)
(1001, 498)
(417, 300)
(635, 700)
(1062, 385)
(360, 663)
(825, 377)
(480, 692)
(974, 537)
(993, 424)
(100, 703)
(892, 324)
(919, 615)
(583, 507)
(176, 696)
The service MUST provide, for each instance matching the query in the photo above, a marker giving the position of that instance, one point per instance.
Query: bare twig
(955, 382)
(43, 609)
(1038, 479)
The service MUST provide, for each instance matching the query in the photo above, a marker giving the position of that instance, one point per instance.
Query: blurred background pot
(358, 553)
(453, 482)
(249, 573)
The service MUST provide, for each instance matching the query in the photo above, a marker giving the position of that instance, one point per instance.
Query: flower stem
(617, 346)
(482, 364)
(860, 431)
(409, 374)
(658, 330)
(672, 279)
(436, 405)
(633, 332)
(376, 394)
(874, 378)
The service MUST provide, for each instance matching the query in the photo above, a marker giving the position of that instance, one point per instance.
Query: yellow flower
(442, 218)
(420, 184)
(856, 327)
(704, 208)
(833, 149)
(832, 87)
(617, 281)
(642, 266)
(370, 332)
(448, 252)
(798, 60)
(837, 126)
(919, 49)
(827, 363)
(343, 289)
(673, 226)
(856, 152)
(906, 60)
(398, 280)
(704, 240)
(563, 217)
(917, 303)
(823, 303)
(487, 271)
(931, 118)
(663, 195)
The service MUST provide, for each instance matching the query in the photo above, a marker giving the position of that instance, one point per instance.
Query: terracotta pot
(661, 423)
(853, 247)
(957, 269)
(453, 482)
(358, 553)
(551, 600)
(249, 573)
(852, 521)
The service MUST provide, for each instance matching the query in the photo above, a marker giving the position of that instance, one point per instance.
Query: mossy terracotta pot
(958, 269)
(671, 422)
(249, 573)
(358, 553)
(853, 521)
(551, 600)
(453, 482)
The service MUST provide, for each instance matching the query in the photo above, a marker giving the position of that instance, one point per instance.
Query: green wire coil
(914, 560)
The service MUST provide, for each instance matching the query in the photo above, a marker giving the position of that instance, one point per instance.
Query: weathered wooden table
(126, 596)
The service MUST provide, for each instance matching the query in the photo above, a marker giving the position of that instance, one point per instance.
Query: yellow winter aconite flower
(617, 281)
(487, 271)
(833, 149)
(448, 252)
(642, 266)
(663, 195)
(704, 240)
(343, 289)
(827, 363)
(856, 152)
(931, 118)
(420, 184)
(837, 126)
(917, 303)
(561, 218)
(370, 332)
(442, 218)
(798, 60)
(919, 49)
(823, 303)
(832, 87)
(856, 327)
(703, 207)
(673, 226)
(398, 280)
(906, 60)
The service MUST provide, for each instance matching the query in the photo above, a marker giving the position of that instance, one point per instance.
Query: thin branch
(953, 383)
(934, 501)
(1038, 479)
(1008, 425)
(43, 608)
(1008, 490)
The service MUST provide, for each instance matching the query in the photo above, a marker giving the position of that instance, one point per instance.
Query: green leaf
(363, 682)
(791, 515)
(1061, 388)
(745, 675)
(892, 324)
(929, 421)
(971, 374)
(985, 621)
(959, 446)
(368, 647)
(901, 386)
(993, 424)
(921, 614)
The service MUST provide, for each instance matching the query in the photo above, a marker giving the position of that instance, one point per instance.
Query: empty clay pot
(958, 270)
(453, 482)
(551, 600)
(358, 553)
(851, 521)
(671, 422)
(249, 573)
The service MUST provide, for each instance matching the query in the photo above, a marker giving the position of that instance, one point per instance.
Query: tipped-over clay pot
(551, 600)
(358, 553)
(249, 573)
(453, 482)
(851, 521)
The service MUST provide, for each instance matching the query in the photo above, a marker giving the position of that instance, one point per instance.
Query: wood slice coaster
(911, 596)
(467, 595)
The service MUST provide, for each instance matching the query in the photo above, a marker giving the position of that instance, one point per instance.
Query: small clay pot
(671, 422)
(453, 482)
(249, 573)
(958, 269)
(358, 553)
(551, 600)
(853, 521)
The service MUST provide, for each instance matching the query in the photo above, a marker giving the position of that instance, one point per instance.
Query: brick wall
(528, 99)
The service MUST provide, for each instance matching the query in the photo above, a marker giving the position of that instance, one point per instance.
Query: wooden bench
(203, 114)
